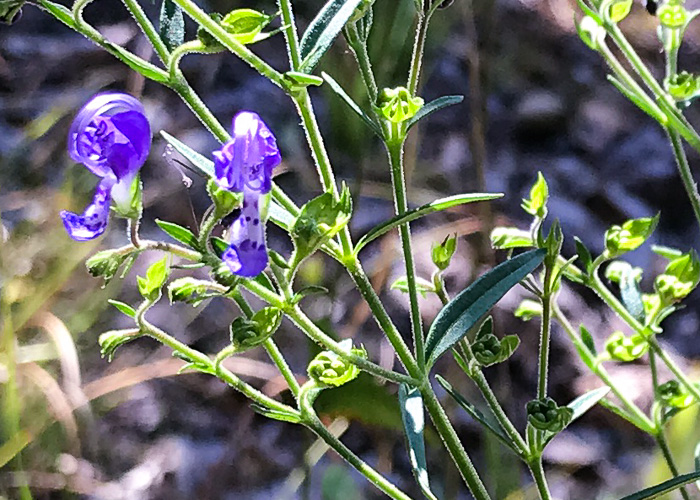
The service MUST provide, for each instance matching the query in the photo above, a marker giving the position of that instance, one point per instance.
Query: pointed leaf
(335, 87)
(413, 417)
(467, 308)
(432, 107)
(323, 30)
(631, 294)
(665, 487)
(200, 162)
(280, 216)
(123, 308)
(179, 233)
(434, 206)
(473, 412)
(283, 416)
(172, 24)
(581, 405)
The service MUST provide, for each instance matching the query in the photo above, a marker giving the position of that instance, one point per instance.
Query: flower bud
(672, 15)
(674, 395)
(683, 86)
(245, 24)
(105, 263)
(625, 349)
(442, 253)
(248, 333)
(592, 33)
(546, 415)
(330, 370)
(397, 105)
(111, 340)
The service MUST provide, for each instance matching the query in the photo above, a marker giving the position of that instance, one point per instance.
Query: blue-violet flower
(245, 163)
(111, 137)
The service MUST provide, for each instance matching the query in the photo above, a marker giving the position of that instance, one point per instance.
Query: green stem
(359, 50)
(311, 420)
(439, 285)
(641, 419)
(290, 33)
(604, 293)
(192, 47)
(149, 30)
(228, 41)
(545, 334)
(395, 151)
(207, 227)
(691, 187)
(540, 480)
(454, 445)
(417, 57)
(162, 246)
(270, 347)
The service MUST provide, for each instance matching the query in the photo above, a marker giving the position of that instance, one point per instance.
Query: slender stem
(149, 30)
(133, 229)
(545, 334)
(454, 445)
(439, 285)
(382, 317)
(290, 33)
(312, 421)
(272, 350)
(398, 181)
(691, 187)
(228, 41)
(417, 57)
(192, 47)
(604, 293)
(540, 480)
(172, 248)
(641, 419)
(359, 50)
(207, 227)
(493, 403)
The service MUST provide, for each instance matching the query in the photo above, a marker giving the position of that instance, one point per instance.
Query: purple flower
(245, 163)
(111, 137)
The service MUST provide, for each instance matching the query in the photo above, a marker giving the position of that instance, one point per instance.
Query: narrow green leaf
(665, 487)
(584, 255)
(413, 417)
(323, 30)
(411, 215)
(638, 101)
(171, 24)
(423, 286)
(60, 12)
(280, 216)
(123, 308)
(200, 162)
(473, 412)
(136, 63)
(283, 416)
(219, 245)
(587, 339)
(581, 405)
(510, 237)
(465, 310)
(335, 87)
(179, 233)
(432, 107)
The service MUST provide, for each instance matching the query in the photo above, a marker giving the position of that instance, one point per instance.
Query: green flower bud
(625, 349)
(536, 204)
(674, 395)
(442, 253)
(105, 263)
(546, 415)
(683, 86)
(328, 369)
(672, 15)
(245, 25)
(111, 340)
(615, 11)
(248, 333)
(488, 350)
(629, 236)
(592, 33)
(397, 105)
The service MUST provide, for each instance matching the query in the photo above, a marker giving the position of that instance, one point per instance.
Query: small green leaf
(581, 405)
(666, 252)
(510, 237)
(617, 10)
(335, 87)
(110, 341)
(422, 285)
(136, 63)
(283, 416)
(299, 81)
(465, 310)
(245, 24)
(189, 290)
(665, 487)
(587, 340)
(432, 107)
(179, 233)
(591, 32)
(411, 215)
(307, 292)
(219, 245)
(536, 204)
(106, 264)
(528, 309)
(413, 417)
(123, 308)
(632, 295)
(323, 30)
(150, 285)
(442, 253)
(584, 255)
(200, 162)
(172, 24)
(629, 236)
(280, 216)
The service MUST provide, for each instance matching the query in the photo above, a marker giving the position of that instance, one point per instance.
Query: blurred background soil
(536, 99)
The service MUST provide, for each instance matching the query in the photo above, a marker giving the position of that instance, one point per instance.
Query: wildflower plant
(111, 136)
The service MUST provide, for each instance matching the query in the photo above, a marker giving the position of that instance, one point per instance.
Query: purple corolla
(111, 137)
(245, 163)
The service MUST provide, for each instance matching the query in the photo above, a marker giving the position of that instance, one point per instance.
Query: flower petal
(247, 254)
(93, 222)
